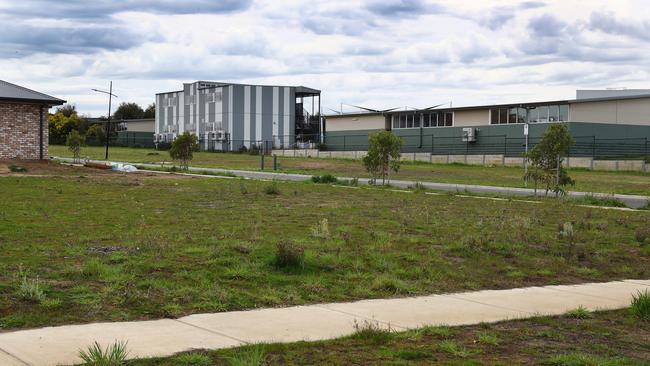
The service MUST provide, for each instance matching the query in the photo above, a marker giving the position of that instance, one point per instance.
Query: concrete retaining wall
(487, 160)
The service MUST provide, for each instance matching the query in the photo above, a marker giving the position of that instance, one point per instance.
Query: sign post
(526, 156)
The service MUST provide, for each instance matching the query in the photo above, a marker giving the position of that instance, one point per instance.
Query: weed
(289, 255)
(417, 186)
(454, 348)
(437, 332)
(565, 231)
(641, 305)
(372, 332)
(580, 359)
(272, 189)
(249, 356)
(243, 189)
(642, 234)
(408, 354)
(113, 355)
(192, 359)
(321, 230)
(325, 178)
(30, 290)
(488, 338)
(600, 201)
(579, 313)
(51, 303)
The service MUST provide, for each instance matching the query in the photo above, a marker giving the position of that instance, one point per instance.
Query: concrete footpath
(61, 345)
(633, 201)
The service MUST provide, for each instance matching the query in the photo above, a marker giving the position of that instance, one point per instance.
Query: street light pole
(108, 122)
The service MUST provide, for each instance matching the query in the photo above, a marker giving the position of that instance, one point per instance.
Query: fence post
(261, 161)
(344, 149)
(646, 157)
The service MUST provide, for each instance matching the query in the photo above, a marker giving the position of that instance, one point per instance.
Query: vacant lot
(79, 245)
(592, 181)
(606, 338)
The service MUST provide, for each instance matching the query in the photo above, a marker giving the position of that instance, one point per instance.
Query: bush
(641, 305)
(272, 189)
(546, 159)
(249, 356)
(183, 149)
(289, 255)
(17, 169)
(74, 141)
(114, 354)
(383, 155)
(326, 178)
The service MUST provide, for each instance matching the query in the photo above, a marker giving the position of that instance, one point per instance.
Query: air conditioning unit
(469, 134)
(221, 135)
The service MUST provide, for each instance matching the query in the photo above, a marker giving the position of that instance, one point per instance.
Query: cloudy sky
(381, 54)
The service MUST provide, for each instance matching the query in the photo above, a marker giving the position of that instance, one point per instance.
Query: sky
(374, 53)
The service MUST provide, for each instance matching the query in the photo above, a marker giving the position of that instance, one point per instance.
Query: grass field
(81, 245)
(613, 338)
(592, 181)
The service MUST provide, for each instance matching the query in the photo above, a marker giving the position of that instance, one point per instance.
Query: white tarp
(119, 167)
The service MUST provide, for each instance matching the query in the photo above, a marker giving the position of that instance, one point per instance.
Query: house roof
(17, 93)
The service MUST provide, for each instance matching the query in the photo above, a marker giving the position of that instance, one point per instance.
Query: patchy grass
(607, 338)
(586, 181)
(116, 246)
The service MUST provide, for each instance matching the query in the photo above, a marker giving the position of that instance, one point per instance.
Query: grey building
(228, 116)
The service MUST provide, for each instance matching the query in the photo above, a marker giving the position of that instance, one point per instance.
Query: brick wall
(19, 131)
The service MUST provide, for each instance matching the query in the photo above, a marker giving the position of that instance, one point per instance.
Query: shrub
(321, 229)
(546, 159)
(17, 169)
(641, 305)
(74, 141)
(326, 178)
(642, 234)
(579, 313)
(272, 189)
(488, 338)
(289, 255)
(566, 231)
(30, 290)
(183, 148)
(453, 348)
(113, 355)
(383, 155)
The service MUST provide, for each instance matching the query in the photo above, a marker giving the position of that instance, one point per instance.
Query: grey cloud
(608, 23)
(81, 9)
(546, 26)
(19, 40)
(390, 8)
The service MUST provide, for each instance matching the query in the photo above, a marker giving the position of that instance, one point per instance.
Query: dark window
(553, 113)
(521, 115)
(532, 115)
(503, 116)
(543, 113)
(512, 115)
(416, 120)
(395, 121)
(564, 113)
(402, 121)
(449, 118)
(425, 120)
(409, 121)
(494, 116)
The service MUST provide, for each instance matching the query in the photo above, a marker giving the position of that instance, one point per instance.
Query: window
(543, 113)
(449, 118)
(553, 113)
(402, 121)
(564, 113)
(494, 116)
(434, 119)
(425, 120)
(409, 121)
(395, 121)
(416, 120)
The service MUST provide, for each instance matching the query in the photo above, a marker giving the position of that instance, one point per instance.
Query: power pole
(108, 122)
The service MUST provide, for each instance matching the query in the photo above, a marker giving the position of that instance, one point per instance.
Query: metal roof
(508, 105)
(17, 93)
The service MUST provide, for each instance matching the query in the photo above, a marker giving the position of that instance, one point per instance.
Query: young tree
(183, 148)
(546, 159)
(74, 141)
(128, 111)
(62, 122)
(150, 112)
(383, 155)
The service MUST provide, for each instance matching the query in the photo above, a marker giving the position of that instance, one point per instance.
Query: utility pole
(108, 122)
